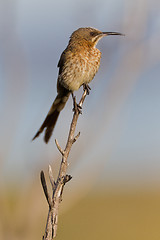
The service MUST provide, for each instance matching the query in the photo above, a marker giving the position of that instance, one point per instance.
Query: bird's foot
(76, 106)
(86, 87)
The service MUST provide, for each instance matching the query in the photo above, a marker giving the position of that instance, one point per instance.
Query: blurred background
(115, 164)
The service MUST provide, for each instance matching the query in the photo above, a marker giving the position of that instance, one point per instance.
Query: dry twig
(63, 178)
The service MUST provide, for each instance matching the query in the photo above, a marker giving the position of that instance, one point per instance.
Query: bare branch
(63, 178)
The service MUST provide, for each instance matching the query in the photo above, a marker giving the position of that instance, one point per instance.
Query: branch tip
(51, 178)
(83, 97)
(59, 147)
(76, 137)
(67, 178)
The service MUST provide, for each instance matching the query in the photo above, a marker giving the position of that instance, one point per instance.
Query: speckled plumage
(81, 65)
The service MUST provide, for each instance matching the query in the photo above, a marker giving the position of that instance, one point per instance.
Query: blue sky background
(120, 133)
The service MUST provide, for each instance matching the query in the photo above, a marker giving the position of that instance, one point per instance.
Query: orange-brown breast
(80, 66)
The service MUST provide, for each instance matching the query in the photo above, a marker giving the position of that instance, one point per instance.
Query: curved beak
(112, 33)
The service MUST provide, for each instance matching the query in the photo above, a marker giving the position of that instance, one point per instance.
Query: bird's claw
(76, 106)
(86, 87)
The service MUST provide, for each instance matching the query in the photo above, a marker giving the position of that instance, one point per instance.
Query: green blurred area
(113, 216)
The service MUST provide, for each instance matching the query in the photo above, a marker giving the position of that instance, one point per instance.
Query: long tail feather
(52, 116)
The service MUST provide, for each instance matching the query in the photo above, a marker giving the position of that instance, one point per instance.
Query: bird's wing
(61, 62)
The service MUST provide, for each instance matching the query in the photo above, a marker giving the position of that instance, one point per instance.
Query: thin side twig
(59, 147)
(51, 178)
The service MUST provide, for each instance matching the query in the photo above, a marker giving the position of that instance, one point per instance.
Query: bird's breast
(80, 67)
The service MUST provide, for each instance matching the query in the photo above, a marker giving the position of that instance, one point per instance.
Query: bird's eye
(92, 34)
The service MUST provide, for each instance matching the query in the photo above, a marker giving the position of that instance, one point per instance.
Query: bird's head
(91, 35)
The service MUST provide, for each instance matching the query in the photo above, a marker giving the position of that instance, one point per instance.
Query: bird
(78, 64)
